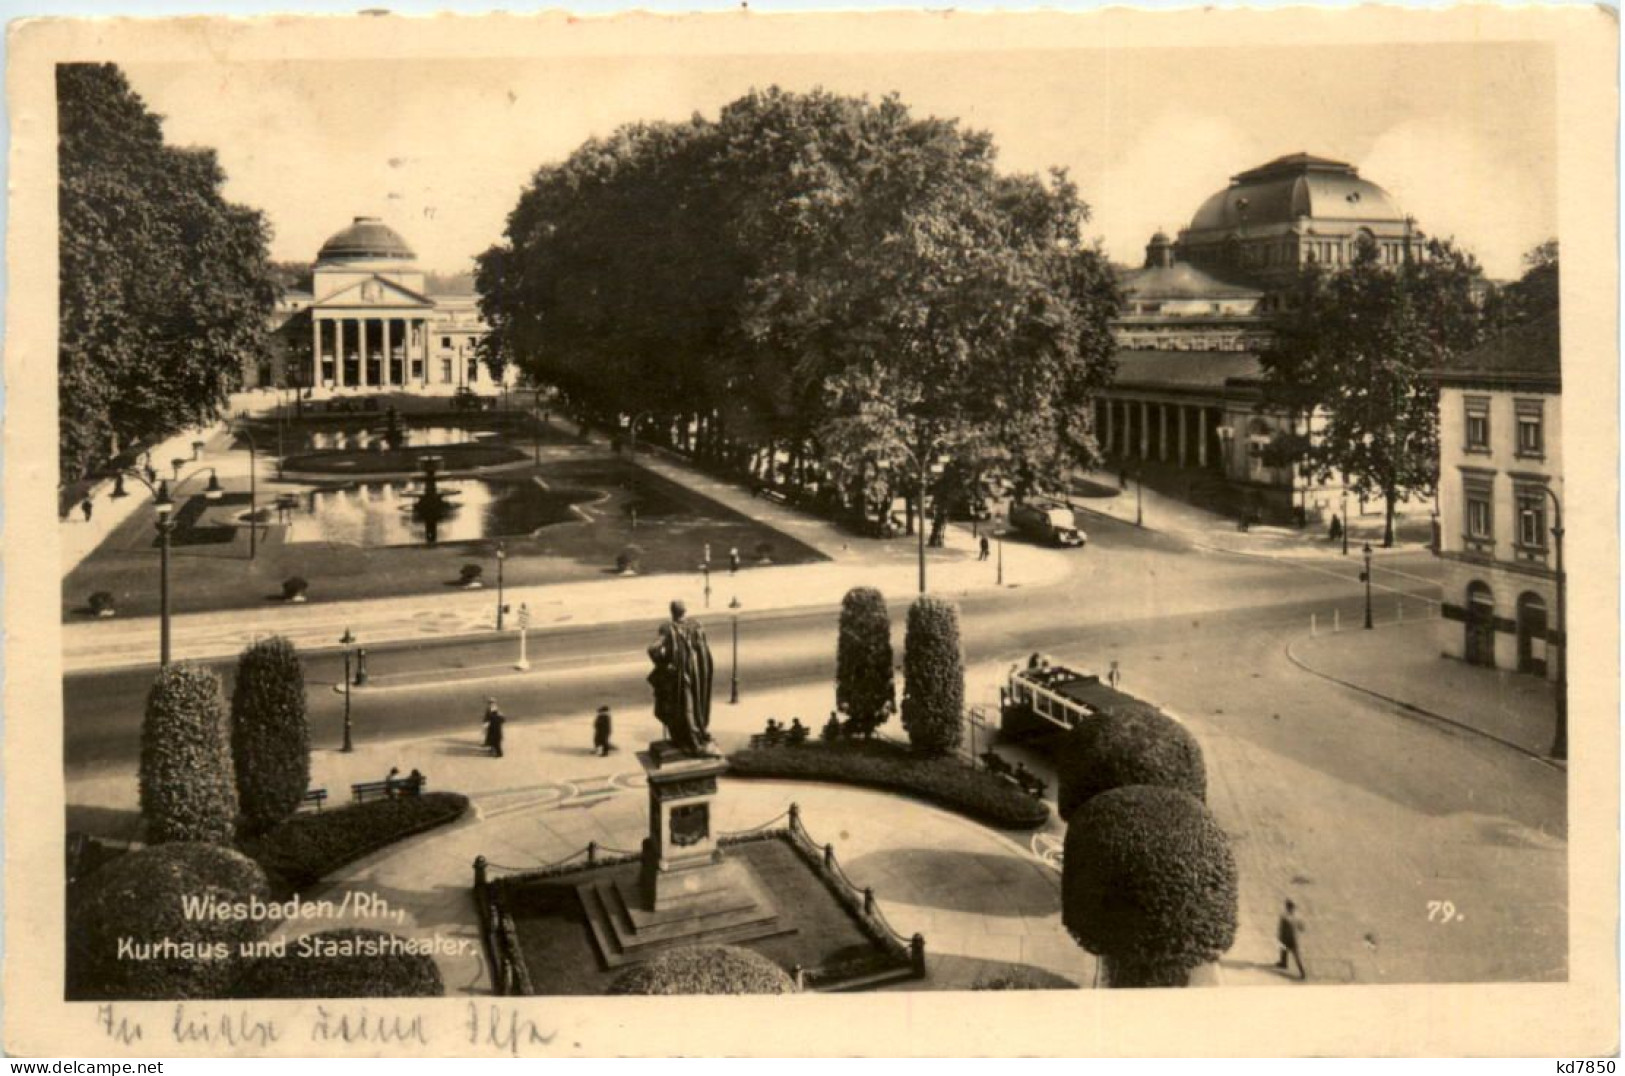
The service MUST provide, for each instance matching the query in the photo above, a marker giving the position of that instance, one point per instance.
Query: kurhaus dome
(367, 238)
(1293, 187)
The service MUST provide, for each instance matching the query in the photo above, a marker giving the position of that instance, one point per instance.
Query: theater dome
(1290, 188)
(367, 239)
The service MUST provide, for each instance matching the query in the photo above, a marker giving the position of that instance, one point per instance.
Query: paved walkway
(1209, 530)
(1403, 664)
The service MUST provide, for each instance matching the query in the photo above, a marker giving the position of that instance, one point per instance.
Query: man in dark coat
(1286, 934)
(682, 683)
(493, 727)
(602, 727)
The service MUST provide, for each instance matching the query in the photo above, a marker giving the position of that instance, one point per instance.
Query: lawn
(617, 504)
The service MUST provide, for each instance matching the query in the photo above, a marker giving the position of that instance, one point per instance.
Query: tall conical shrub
(933, 677)
(864, 683)
(187, 789)
(270, 736)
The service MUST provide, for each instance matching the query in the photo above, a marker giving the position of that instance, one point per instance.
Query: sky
(1463, 136)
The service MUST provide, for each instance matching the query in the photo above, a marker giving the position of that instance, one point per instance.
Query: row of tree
(1355, 349)
(165, 287)
(828, 275)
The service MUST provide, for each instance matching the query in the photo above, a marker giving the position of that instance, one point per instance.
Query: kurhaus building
(1184, 408)
(368, 324)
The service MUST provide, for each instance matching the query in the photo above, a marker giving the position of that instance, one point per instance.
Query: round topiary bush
(1148, 884)
(864, 683)
(270, 737)
(705, 969)
(101, 603)
(469, 575)
(346, 963)
(933, 677)
(1139, 746)
(188, 792)
(130, 934)
(294, 588)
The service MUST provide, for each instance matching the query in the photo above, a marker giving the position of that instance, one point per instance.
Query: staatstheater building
(1184, 409)
(368, 324)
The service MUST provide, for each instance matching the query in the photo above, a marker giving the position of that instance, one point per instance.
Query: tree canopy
(1354, 348)
(165, 287)
(824, 271)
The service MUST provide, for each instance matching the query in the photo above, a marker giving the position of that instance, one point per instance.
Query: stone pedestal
(684, 891)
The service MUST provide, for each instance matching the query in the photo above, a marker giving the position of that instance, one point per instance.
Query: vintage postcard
(524, 534)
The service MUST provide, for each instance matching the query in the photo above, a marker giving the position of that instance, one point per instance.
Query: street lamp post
(922, 464)
(1139, 500)
(502, 555)
(163, 503)
(705, 566)
(347, 642)
(1345, 521)
(733, 693)
(253, 490)
(1366, 577)
(1000, 541)
(1560, 738)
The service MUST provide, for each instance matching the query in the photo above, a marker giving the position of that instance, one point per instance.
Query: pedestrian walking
(603, 726)
(1114, 676)
(493, 727)
(85, 506)
(733, 560)
(984, 548)
(1287, 933)
(1335, 531)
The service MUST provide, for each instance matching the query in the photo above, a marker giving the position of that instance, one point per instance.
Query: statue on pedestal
(682, 684)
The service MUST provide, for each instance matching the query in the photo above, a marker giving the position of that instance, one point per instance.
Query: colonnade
(369, 352)
(1183, 434)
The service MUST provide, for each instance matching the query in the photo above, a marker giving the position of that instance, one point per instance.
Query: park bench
(387, 788)
(318, 796)
(1018, 776)
(768, 493)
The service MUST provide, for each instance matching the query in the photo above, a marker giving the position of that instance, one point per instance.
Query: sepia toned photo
(549, 513)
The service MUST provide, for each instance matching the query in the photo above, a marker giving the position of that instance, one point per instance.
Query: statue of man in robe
(682, 683)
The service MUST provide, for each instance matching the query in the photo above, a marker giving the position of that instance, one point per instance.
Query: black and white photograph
(1020, 509)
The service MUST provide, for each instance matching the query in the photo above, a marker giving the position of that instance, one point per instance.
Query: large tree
(1350, 367)
(165, 288)
(827, 275)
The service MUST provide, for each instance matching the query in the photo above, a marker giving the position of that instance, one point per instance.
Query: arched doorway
(1480, 625)
(1532, 634)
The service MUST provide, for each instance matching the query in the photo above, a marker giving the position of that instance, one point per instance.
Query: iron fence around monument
(510, 977)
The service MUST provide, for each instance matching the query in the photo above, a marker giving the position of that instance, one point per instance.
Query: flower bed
(308, 847)
(946, 782)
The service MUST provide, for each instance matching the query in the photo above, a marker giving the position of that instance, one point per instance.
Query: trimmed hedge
(933, 677)
(188, 792)
(705, 969)
(1149, 885)
(357, 974)
(270, 737)
(864, 683)
(1139, 746)
(308, 847)
(1019, 977)
(139, 897)
(881, 764)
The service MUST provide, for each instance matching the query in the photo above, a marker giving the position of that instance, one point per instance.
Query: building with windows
(1185, 407)
(368, 324)
(1500, 498)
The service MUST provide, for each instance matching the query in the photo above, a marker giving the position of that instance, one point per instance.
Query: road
(1132, 585)
(1359, 812)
